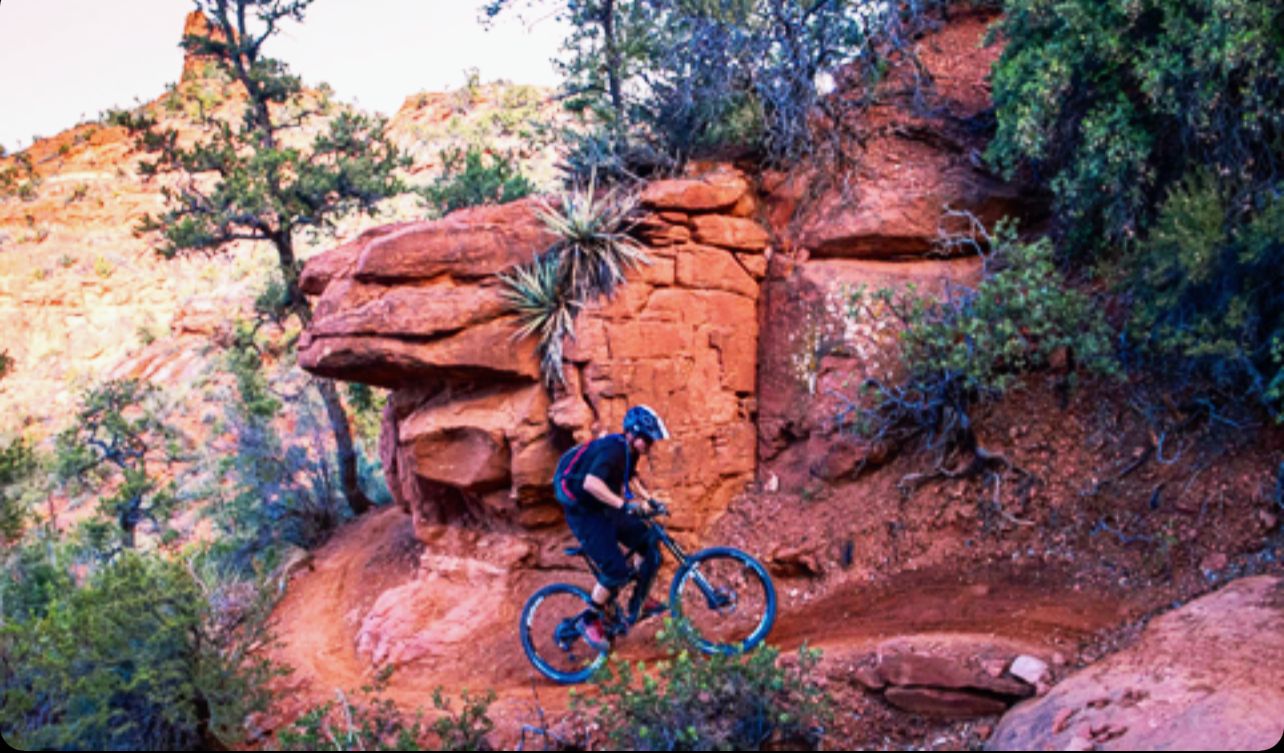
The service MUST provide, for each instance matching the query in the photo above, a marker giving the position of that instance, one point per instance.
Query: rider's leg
(597, 536)
(638, 536)
(601, 596)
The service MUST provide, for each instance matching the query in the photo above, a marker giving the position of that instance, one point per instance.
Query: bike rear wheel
(725, 600)
(551, 638)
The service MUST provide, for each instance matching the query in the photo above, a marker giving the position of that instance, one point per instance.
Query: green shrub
(19, 179)
(1113, 101)
(698, 702)
(1206, 291)
(1159, 127)
(467, 180)
(135, 658)
(132, 120)
(970, 345)
(117, 433)
(689, 79)
(273, 490)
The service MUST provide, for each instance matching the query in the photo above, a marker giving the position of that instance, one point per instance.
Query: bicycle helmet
(641, 421)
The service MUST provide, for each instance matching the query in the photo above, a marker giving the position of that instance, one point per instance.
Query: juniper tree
(115, 438)
(264, 188)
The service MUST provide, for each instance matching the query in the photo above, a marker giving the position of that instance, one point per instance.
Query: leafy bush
(1205, 292)
(684, 79)
(136, 658)
(715, 702)
(20, 178)
(466, 180)
(973, 344)
(273, 490)
(376, 723)
(1159, 126)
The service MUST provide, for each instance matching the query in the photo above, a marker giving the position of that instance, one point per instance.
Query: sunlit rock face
(471, 432)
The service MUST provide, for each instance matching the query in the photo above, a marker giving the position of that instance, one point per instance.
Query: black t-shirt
(608, 458)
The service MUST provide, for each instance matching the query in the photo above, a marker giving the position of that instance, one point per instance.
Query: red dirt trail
(317, 624)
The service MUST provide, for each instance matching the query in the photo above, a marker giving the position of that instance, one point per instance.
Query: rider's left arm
(642, 492)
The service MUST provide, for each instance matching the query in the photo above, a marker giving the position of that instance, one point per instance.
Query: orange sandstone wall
(470, 433)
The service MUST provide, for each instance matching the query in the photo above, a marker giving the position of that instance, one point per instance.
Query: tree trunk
(349, 479)
(347, 454)
(612, 61)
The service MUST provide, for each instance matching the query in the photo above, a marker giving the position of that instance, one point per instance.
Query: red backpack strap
(567, 471)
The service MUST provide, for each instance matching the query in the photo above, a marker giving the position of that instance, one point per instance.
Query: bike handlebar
(658, 509)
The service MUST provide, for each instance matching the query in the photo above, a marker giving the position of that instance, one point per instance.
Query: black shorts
(602, 531)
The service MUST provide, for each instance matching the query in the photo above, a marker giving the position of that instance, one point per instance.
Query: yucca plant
(589, 259)
(544, 309)
(593, 244)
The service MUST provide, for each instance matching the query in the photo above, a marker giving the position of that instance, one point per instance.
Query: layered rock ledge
(470, 432)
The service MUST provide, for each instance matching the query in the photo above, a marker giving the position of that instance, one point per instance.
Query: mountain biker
(593, 483)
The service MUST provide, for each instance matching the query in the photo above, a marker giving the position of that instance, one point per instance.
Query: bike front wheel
(551, 634)
(724, 600)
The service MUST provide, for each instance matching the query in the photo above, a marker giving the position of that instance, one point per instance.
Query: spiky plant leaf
(593, 242)
(543, 309)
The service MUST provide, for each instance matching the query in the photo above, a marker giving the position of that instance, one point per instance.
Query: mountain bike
(721, 599)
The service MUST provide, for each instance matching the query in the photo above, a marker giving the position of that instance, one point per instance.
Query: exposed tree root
(992, 464)
(982, 460)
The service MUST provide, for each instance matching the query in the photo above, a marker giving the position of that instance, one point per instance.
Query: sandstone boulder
(716, 191)
(471, 243)
(932, 675)
(1205, 676)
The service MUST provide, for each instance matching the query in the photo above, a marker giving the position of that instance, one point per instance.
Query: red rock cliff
(470, 432)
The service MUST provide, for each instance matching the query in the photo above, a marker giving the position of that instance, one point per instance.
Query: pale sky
(63, 61)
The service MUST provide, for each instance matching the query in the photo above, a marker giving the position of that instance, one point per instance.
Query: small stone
(1028, 668)
(1041, 688)
(984, 731)
(869, 677)
(772, 483)
(1213, 562)
(1114, 731)
(1080, 743)
(1269, 519)
(995, 667)
(1058, 659)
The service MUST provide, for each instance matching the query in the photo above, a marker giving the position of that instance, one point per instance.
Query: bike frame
(710, 593)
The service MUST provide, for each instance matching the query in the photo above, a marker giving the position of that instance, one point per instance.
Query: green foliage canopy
(972, 344)
(690, 77)
(1159, 126)
(117, 436)
(17, 461)
(132, 659)
(266, 188)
